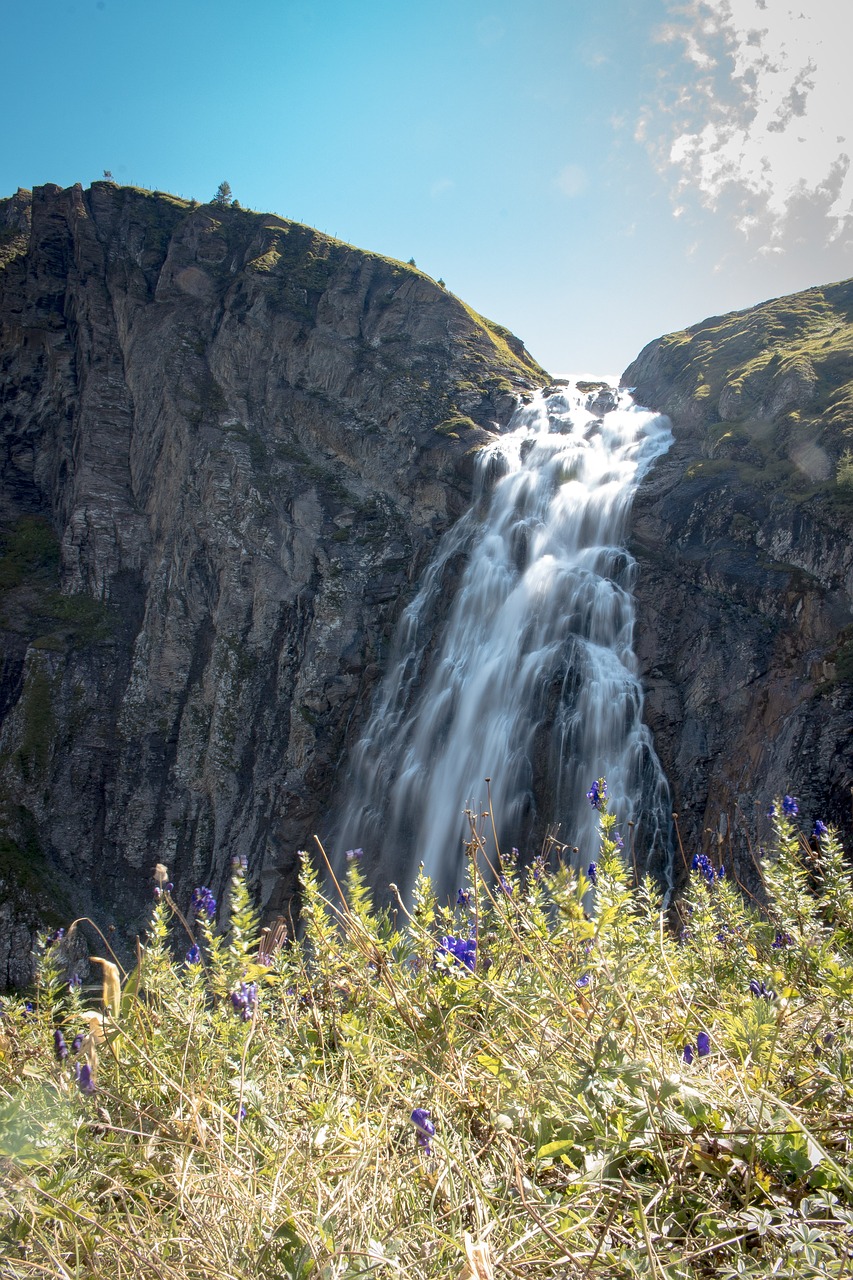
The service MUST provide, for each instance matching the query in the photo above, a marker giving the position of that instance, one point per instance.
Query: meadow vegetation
(556, 1075)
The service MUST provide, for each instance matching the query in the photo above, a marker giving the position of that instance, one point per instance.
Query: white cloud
(571, 180)
(760, 114)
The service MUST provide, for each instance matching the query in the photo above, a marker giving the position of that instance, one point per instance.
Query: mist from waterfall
(515, 659)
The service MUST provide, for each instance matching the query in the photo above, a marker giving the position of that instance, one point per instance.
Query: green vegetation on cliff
(773, 387)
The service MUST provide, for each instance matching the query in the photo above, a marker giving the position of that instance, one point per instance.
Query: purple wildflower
(703, 1044)
(592, 872)
(506, 886)
(194, 954)
(426, 1129)
(820, 829)
(245, 999)
(77, 1042)
(790, 806)
(771, 812)
(83, 1076)
(54, 937)
(597, 793)
(618, 841)
(463, 950)
(463, 898)
(354, 855)
(761, 991)
(203, 902)
(687, 1054)
(583, 982)
(781, 940)
(60, 1048)
(75, 982)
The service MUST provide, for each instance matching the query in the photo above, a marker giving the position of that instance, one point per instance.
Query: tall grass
(599, 1089)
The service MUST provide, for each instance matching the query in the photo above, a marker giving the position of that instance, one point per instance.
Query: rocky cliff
(228, 445)
(745, 584)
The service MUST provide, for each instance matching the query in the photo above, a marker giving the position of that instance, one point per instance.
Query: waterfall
(527, 676)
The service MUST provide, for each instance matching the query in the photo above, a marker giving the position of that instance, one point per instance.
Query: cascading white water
(529, 677)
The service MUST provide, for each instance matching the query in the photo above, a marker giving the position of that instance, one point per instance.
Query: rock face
(228, 446)
(745, 584)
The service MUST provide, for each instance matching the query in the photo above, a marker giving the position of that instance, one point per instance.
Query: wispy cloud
(761, 120)
(440, 186)
(571, 180)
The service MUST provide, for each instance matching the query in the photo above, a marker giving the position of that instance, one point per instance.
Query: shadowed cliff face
(745, 585)
(228, 446)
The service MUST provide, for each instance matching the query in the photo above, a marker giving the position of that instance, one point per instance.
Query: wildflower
(245, 999)
(781, 940)
(463, 950)
(240, 862)
(54, 937)
(687, 1054)
(425, 1127)
(60, 1048)
(75, 982)
(354, 855)
(242, 1113)
(194, 954)
(618, 841)
(703, 1044)
(77, 1042)
(597, 793)
(83, 1076)
(702, 863)
(203, 902)
(463, 898)
(761, 991)
(771, 812)
(820, 829)
(506, 886)
(790, 806)
(584, 981)
(592, 872)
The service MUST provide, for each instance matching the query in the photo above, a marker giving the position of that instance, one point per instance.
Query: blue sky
(591, 174)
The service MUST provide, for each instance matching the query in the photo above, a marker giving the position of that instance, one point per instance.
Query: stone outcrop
(228, 446)
(745, 582)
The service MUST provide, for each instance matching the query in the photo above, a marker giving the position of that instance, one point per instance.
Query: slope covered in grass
(579, 1082)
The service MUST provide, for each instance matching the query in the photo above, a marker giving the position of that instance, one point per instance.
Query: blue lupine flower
(702, 863)
(597, 793)
(463, 950)
(781, 940)
(584, 981)
(463, 898)
(203, 901)
(77, 1042)
(618, 841)
(83, 1076)
(426, 1129)
(760, 990)
(790, 806)
(60, 1048)
(687, 1053)
(245, 999)
(592, 872)
(506, 886)
(54, 937)
(703, 1044)
(242, 1113)
(820, 829)
(194, 954)
(771, 812)
(354, 855)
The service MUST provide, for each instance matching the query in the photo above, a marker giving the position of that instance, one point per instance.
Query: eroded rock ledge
(745, 585)
(228, 445)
